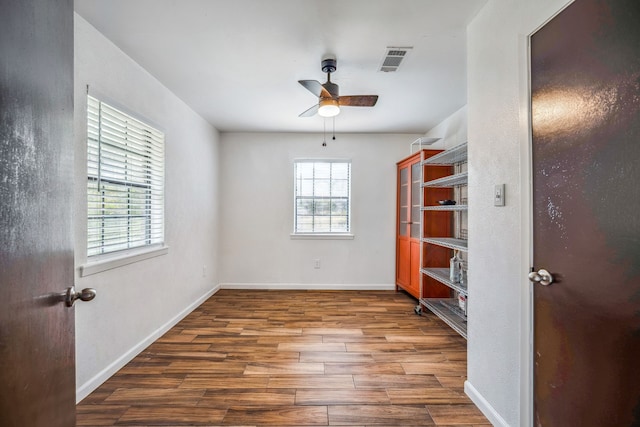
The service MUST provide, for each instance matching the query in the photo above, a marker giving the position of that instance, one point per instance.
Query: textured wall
(452, 131)
(257, 211)
(136, 300)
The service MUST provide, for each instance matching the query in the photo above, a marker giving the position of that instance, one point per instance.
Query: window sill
(120, 260)
(321, 236)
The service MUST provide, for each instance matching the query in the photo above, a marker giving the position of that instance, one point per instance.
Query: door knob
(541, 276)
(87, 294)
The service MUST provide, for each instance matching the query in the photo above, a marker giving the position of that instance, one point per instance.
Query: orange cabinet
(409, 213)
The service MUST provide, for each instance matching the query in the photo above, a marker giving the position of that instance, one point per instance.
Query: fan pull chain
(334, 128)
(324, 133)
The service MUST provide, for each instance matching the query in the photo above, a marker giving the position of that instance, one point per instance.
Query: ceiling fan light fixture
(329, 107)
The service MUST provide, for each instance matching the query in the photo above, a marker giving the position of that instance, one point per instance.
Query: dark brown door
(37, 372)
(586, 201)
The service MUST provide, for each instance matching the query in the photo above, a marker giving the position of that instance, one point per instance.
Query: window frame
(348, 234)
(148, 239)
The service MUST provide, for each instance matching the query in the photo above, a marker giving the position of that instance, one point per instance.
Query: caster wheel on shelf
(418, 310)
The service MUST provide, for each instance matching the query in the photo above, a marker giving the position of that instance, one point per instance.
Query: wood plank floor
(294, 358)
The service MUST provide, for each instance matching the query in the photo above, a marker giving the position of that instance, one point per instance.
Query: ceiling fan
(329, 99)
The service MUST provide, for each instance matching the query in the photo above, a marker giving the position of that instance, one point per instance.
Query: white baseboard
(484, 406)
(311, 286)
(85, 389)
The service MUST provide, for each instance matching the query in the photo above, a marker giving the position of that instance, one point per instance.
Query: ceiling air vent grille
(393, 57)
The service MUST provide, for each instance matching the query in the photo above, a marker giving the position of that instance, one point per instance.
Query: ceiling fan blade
(310, 112)
(358, 100)
(315, 88)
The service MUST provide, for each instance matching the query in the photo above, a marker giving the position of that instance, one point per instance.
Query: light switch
(498, 195)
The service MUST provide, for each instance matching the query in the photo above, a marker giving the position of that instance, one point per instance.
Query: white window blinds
(125, 187)
(322, 196)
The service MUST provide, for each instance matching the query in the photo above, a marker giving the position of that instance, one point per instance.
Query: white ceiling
(237, 62)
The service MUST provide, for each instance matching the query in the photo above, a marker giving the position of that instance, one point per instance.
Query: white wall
(499, 354)
(452, 131)
(137, 302)
(257, 212)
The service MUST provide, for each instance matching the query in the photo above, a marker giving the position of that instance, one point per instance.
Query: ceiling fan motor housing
(329, 64)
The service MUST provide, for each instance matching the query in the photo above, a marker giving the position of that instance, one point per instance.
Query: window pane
(305, 206)
(322, 224)
(340, 188)
(415, 231)
(304, 170)
(339, 224)
(305, 224)
(339, 207)
(138, 228)
(305, 187)
(322, 207)
(340, 171)
(138, 204)
(404, 176)
(415, 184)
(322, 188)
(322, 170)
(404, 195)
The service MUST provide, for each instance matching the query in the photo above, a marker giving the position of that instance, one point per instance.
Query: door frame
(529, 27)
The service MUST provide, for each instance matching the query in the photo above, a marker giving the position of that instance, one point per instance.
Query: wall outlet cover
(498, 195)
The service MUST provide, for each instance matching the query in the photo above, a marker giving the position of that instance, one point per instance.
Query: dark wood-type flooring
(293, 358)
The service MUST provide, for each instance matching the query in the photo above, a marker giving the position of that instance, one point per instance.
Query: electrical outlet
(316, 263)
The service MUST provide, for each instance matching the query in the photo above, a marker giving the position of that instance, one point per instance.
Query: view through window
(322, 196)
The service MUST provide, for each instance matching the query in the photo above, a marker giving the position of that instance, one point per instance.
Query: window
(125, 186)
(322, 196)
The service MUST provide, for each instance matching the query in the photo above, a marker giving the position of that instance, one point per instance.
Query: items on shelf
(454, 267)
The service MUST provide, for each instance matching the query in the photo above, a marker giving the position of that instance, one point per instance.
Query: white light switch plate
(498, 195)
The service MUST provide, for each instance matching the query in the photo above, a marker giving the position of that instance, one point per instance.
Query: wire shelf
(449, 157)
(445, 208)
(447, 310)
(442, 276)
(422, 141)
(449, 181)
(447, 242)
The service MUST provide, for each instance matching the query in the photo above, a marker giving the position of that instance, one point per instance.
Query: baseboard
(311, 286)
(484, 406)
(85, 389)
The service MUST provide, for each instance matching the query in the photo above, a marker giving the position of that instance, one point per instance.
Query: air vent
(393, 57)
